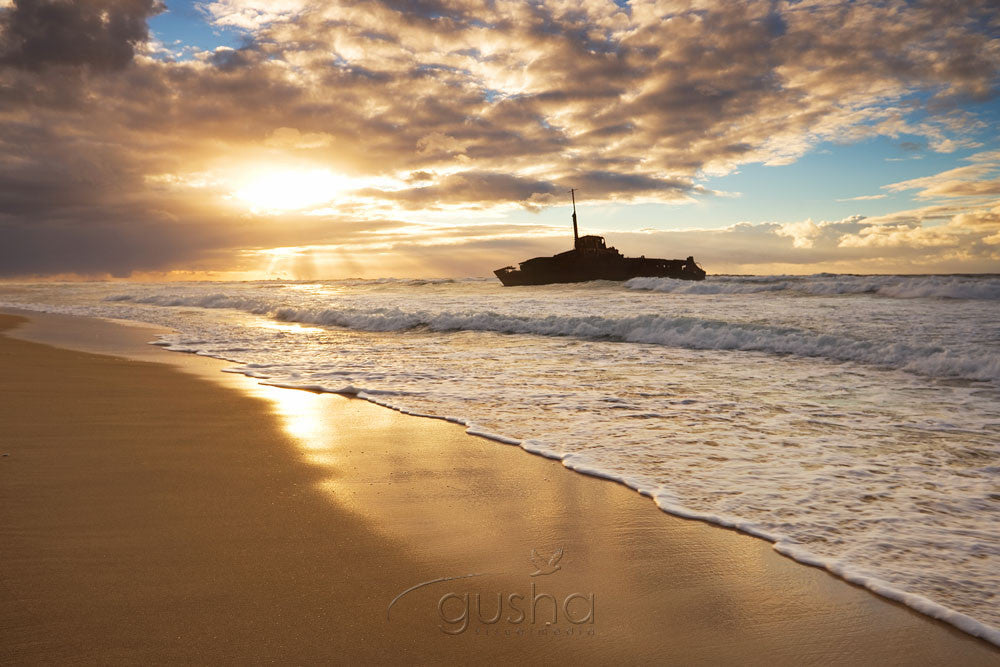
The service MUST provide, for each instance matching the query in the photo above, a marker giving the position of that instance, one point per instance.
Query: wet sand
(168, 512)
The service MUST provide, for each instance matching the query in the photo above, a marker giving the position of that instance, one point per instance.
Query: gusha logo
(517, 610)
(542, 567)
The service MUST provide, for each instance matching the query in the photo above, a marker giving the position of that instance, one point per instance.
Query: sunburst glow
(290, 189)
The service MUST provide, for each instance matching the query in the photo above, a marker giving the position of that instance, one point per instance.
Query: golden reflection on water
(286, 328)
(301, 416)
(427, 484)
(462, 504)
(422, 481)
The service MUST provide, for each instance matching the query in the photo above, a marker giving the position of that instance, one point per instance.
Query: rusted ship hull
(592, 259)
(558, 269)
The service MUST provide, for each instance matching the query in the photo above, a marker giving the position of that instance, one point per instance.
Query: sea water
(854, 421)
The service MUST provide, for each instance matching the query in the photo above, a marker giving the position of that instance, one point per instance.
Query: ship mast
(576, 235)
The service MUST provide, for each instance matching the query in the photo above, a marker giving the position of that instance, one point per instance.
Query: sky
(312, 139)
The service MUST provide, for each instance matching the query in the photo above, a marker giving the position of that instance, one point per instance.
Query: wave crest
(897, 287)
(672, 331)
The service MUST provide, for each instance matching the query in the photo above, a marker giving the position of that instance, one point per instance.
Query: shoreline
(424, 534)
(879, 587)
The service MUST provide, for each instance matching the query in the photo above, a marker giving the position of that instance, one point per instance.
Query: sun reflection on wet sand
(461, 504)
(464, 504)
(301, 416)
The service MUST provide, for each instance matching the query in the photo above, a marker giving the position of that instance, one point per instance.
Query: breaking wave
(898, 287)
(682, 332)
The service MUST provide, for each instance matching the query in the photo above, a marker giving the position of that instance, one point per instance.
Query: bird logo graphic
(543, 567)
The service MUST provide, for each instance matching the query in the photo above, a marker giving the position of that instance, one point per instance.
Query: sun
(277, 190)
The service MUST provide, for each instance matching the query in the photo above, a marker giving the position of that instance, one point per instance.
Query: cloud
(471, 188)
(973, 234)
(966, 181)
(803, 234)
(252, 14)
(101, 34)
(289, 137)
(438, 143)
(458, 104)
(863, 198)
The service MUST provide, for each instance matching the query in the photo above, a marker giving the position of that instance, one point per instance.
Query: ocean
(854, 421)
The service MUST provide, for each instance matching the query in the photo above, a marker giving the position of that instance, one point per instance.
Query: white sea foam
(668, 503)
(839, 417)
(685, 332)
(900, 287)
(214, 300)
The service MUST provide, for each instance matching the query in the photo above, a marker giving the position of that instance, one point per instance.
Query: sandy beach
(155, 509)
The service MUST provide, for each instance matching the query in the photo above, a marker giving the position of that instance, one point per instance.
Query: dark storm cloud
(47, 247)
(470, 188)
(606, 184)
(102, 34)
(489, 188)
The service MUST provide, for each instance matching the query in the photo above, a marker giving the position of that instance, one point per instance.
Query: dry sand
(178, 514)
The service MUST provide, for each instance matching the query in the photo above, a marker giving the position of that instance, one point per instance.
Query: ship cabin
(590, 243)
